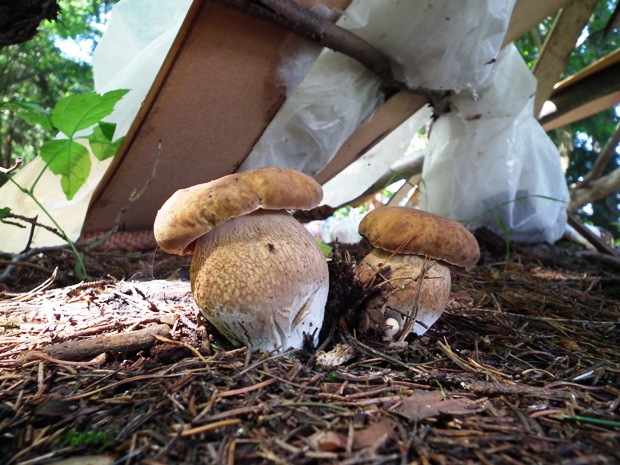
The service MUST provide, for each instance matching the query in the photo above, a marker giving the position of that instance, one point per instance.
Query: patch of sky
(80, 51)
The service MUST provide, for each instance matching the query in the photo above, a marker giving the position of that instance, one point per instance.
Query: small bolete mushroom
(410, 244)
(257, 274)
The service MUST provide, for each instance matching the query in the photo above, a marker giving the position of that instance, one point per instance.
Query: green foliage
(66, 157)
(4, 215)
(506, 235)
(38, 71)
(30, 112)
(331, 377)
(349, 210)
(102, 440)
(70, 160)
(81, 111)
(102, 141)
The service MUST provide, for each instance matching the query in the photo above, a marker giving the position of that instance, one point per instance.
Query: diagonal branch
(596, 190)
(603, 159)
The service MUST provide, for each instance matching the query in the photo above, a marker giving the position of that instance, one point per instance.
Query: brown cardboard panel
(215, 94)
(385, 119)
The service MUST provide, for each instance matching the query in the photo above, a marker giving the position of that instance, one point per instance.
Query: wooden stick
(132, 341)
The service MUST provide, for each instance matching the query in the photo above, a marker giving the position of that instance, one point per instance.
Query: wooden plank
(590, 91)
(591, 108)
(528, 13)
(596, 67)
(558, 46)
(386, 118)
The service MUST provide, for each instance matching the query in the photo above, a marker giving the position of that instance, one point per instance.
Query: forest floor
(522, 368)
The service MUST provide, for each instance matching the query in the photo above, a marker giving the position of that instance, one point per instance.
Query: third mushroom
(409, 268)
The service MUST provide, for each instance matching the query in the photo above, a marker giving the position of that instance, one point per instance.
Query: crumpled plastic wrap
(128, 56)
(490, 163)
(330, 103)
(439, 44)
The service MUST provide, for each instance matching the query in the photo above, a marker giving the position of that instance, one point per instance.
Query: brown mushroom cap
(415, 232)
(194, 211)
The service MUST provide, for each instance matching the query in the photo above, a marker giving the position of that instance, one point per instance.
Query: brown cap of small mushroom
(415, 232)
(192, 212)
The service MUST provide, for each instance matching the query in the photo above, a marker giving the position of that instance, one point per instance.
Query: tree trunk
(19, 19)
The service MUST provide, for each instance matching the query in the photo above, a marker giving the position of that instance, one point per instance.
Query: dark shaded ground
(524, 367)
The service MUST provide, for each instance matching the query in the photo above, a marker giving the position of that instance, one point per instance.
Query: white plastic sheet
(128, 56)
(335, 97)
(438, 44)
(490, 163)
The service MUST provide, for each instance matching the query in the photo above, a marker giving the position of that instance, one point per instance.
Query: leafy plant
(66, 157)
(41, 70)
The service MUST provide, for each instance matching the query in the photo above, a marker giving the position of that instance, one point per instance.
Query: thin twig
(605, 156)
(357, 344)
(410, 318)
(135, 195)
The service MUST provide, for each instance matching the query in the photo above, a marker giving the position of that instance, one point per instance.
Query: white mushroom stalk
(261, 280)
(257, 274)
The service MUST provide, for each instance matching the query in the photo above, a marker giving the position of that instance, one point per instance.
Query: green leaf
(32, 113)
(70, 160)
(4, 212)
(81, 111)
(101, 145)
(107, 130)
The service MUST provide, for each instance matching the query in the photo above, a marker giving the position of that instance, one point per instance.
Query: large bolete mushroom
(410, 265)
(257, 274)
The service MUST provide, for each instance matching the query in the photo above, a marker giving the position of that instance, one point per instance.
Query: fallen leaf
(373, 436)
(328, 441)
(426, 404)
(340, 354)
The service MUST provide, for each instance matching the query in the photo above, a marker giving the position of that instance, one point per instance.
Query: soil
(522, 368)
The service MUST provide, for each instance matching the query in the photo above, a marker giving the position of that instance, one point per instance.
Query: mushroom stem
(398, 278)
(261, 280)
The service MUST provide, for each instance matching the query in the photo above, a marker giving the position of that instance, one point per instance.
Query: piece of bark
(132, 341)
